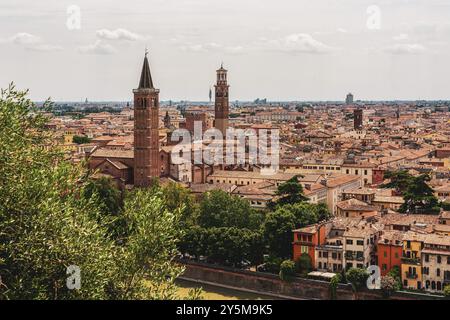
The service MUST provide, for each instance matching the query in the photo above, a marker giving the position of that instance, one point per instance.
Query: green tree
(44, 226)
(106, 193)
(304, 264)
(80, 139)
(278, 228)
(278, 225)
(178, 197)
(447, 291)
(219, 209)
(289, 192)
(445, 205)
(307, 213)
(400, 180)
(226, 245)
(323, 213)
(395, 274)
(334, 283)
(47, 225)
(194, 241)
(419, 197)
(145, 267)
(357, 278)
(272, 264)
(287, 270)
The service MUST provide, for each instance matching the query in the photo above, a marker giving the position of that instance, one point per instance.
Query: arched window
(439, 286)
(433, 285)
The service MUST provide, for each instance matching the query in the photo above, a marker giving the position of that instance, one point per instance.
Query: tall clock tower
(222, 108)
(146, 125)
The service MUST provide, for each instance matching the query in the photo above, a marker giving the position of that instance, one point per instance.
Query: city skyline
(288, 51)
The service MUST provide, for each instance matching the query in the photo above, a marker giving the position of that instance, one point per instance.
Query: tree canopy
(357, 278)
(399, 180)
(226, 230)
(279, 224)
(290, 192)
(80, 139)
(219, 209)
(278, 228)
(47, 225)
(418, 195)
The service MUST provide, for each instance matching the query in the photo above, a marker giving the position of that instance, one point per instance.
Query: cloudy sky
(280, 50)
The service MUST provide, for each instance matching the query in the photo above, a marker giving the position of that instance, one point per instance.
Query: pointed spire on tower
(221, 67)
(146, 77)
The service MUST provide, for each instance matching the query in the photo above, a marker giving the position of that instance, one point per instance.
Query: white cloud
(30, 42)
(201, 47)
(24, 38)
(45, 48)
(427, 30)
(294, 43)
(99, 47)
(299, 43)
(118, 34)
(406, 49)
(234, 50)
(400, 37)
(208, 47)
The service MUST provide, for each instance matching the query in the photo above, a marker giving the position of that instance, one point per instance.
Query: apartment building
(337, 185)
(411, 268)
(338, 244)
(363, 170)
(435, 262)
(359, 244)
(390, 250)
(353, 208)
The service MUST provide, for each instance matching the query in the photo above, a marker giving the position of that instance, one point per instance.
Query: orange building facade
(389, 256)
(306, 239)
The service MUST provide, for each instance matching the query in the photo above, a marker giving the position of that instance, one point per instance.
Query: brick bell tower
(146, 125)
(221, 108)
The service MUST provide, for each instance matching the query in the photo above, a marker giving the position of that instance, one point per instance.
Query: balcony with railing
(411, 260)
(411, 275)
(354, 256)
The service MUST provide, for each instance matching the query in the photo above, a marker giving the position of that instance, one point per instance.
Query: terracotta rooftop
(110, 153)
(355, 205)
(392, 237)
(337, 180)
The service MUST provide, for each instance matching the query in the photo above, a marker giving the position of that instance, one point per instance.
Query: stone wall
(271, 284)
